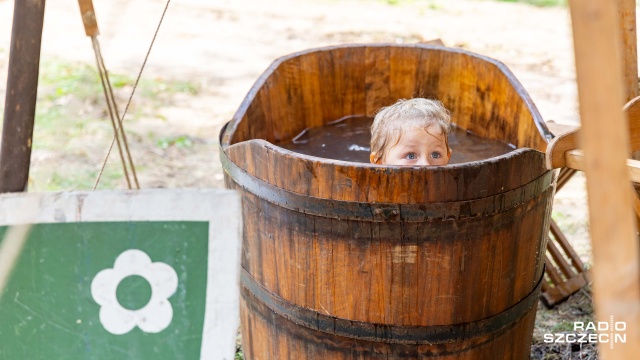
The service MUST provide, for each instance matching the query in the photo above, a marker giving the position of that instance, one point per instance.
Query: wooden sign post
(20, 98)
(123, 275)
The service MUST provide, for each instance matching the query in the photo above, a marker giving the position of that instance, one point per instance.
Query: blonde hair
(391, 121)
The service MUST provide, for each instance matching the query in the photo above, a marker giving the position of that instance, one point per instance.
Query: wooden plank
(88, 17)
(606, 145)
(377, 75)
(627, 13)
(555, 154)
(403, 72)
(554, 275)
(563, 178)
(545, 286)
(632, 109)
(559, 260)
(575, 259)
(636, 203)
(567, 136)
(553, 295)
(575, 160)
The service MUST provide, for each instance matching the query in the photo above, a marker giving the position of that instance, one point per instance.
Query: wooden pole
(605, 141)
(20, 100)
(627, 12)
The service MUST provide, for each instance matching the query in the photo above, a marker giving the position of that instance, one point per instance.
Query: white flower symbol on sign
(156, 315)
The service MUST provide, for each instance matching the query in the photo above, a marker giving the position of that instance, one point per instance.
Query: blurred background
(208, 53)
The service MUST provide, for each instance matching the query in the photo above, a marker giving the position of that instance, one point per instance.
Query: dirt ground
(221, 47)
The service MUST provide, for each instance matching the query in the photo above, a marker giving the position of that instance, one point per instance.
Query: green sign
(135, 289)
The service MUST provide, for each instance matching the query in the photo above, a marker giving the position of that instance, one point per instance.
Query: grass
(74, 178)
(72, 129)
(181, 141)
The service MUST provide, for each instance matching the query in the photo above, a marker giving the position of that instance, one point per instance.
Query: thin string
(135, 86)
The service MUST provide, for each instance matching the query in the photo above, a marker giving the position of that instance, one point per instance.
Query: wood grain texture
(340, 180)
(566, 138)
(283, 340)
(318, 86)
(88, 17)
(384, 268)
(21, 95)
(575, 160)
(632, 112)
(555, 155)
(628, 34)
(562, 290)
(605, 142)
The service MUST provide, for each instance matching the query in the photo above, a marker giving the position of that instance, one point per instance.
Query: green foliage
(83, 82)
(72, 120)
(540, 2)
(562, 327)
(181, 141)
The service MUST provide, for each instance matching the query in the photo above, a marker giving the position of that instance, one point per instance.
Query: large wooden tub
(345, 260)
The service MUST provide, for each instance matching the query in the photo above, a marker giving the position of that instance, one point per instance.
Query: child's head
(411, 132)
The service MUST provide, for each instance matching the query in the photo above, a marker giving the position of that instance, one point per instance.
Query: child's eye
(436, 155)
(411, 156)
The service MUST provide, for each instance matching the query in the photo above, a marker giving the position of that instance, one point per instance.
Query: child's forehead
(430, 127)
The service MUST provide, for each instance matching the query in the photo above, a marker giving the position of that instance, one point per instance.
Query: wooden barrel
(345, 260)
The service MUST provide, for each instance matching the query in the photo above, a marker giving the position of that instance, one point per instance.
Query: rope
(121, 119)
(111, 106)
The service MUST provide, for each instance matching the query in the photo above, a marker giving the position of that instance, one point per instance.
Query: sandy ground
(223, 46)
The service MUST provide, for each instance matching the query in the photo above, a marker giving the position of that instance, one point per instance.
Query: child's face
(419, 146)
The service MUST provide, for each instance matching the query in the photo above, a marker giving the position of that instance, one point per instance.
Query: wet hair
(390, 123)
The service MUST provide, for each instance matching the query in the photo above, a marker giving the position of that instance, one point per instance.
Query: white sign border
(221, 208)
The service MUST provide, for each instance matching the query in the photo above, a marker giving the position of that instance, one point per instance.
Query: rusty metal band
(387, 333)
(385, 212)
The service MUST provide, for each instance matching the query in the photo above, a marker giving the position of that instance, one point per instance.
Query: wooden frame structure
(564, 270)
(606, 66)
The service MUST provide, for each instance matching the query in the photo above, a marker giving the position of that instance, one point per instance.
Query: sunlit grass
(72, 127)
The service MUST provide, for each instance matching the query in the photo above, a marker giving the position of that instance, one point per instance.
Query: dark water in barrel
(349, 139)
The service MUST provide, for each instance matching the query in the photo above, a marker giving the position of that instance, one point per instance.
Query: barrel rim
(386, 212)
(428, 173)
(317, 159)
(543, 130)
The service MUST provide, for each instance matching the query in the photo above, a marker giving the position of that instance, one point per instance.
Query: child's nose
(423, 161)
